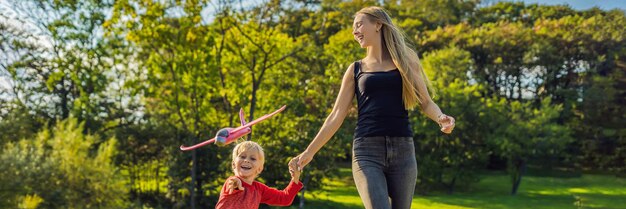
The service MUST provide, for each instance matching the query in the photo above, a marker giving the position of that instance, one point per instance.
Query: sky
(581, 4)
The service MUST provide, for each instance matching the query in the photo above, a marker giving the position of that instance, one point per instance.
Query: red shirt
(256, 193)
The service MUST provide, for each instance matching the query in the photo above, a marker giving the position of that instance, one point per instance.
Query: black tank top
(380, 105)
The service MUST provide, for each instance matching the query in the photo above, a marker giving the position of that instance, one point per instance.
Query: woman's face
(364, 31)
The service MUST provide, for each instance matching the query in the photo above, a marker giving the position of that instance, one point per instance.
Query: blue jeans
(384, 171)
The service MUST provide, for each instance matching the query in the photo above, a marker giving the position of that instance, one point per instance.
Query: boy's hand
(293, 164)
(295, 175)
(233, 184)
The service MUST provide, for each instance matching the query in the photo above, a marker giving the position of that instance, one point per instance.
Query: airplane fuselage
(226, 136)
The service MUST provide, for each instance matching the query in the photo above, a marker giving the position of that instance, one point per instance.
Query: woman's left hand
(446, 122)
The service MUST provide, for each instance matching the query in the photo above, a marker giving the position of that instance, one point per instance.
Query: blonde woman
(387, 83)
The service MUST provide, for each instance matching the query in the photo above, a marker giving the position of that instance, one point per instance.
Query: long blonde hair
(402, 55)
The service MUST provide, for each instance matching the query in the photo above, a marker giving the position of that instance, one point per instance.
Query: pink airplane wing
(259, 119)
(183, 148)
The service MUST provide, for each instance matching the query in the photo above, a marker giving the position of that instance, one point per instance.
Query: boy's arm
(275, 197)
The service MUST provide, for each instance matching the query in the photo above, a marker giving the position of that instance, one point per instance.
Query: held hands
(233, 184)
(293, 165)
(446, 123)
(298, 162)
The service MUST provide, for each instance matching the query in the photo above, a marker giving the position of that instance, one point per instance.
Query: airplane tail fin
(241, 117)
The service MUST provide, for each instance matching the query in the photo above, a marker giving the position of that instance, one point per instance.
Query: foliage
(449, 160)
(55, 169)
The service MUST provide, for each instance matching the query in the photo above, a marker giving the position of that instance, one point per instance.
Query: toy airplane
(228, 135)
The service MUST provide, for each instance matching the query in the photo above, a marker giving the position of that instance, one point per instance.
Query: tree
(177, 84)
(532, 52)
(423, 15)
(61, 66)
(56, 170)
(585, 54)
(524, 132)
(450, 160)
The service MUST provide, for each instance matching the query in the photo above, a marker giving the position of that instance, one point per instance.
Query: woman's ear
(379, 26)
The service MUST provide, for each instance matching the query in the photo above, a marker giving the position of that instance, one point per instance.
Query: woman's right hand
(300, 161)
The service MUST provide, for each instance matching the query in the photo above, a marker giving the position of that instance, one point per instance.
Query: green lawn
(592, 191)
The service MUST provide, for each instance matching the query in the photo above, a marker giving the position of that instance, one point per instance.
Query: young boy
(242, 192)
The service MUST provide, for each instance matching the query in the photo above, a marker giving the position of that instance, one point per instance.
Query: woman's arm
(333, 121)
(430, 108)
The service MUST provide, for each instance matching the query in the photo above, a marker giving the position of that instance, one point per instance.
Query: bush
(61, 168)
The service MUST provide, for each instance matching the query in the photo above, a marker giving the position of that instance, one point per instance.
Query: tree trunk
(519, 170)
(451, 185)
(252, 107)
(156, 184)
(192, 190)
(65, 110)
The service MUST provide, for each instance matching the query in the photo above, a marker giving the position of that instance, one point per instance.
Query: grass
(493, 191)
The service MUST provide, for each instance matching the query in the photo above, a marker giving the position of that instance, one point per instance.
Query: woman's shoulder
(353, 67)
(349, 71)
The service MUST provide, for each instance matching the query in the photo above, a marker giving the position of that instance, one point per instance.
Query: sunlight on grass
(587, 191)
(578, 190)
(419, 202)
(587, 184)
(338, 190)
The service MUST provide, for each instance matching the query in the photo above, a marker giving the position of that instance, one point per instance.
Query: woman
(387, 83)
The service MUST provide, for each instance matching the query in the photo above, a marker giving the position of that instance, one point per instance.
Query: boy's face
(248, 164)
